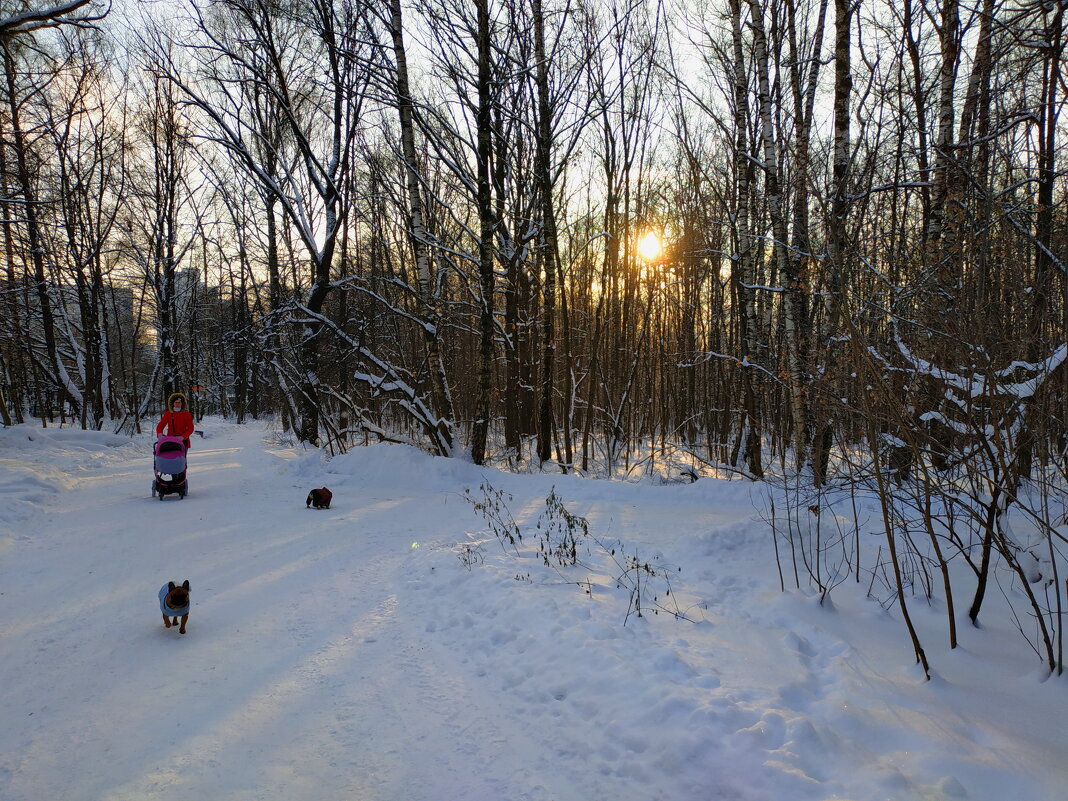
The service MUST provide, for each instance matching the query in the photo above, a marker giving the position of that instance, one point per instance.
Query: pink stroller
(168, 462)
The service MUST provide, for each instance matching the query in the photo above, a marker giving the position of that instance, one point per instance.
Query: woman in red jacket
(176, 420)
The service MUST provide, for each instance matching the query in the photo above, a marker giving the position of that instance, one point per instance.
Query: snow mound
(37, 464)
(39, 441)
(388, 465)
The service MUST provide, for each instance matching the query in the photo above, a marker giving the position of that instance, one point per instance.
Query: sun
(650, 247)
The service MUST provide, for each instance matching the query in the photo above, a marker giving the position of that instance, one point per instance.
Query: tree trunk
(742, 267)
(483, 412)
(804, 86)
(836, 225)
(949, 36)
(441, 433)
(1043, 282)
(792, 315)
(549, 245)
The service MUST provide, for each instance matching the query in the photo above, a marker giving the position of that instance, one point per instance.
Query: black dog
(319, 498)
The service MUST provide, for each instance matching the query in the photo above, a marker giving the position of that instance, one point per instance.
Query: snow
(977, 386)
(390, 649)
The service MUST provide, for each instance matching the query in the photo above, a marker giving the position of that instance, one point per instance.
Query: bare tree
(316, 82)
(161, 224)
(441, 429)
(18, 90)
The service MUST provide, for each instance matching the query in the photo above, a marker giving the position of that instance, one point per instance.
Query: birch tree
(743, 257)
(440, 429)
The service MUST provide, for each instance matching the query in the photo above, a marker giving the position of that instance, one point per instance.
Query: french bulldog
(174, 603)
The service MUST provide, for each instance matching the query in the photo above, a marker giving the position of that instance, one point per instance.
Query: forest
(821, 245)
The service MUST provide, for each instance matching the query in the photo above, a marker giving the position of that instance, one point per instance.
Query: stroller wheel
(153, 489)
(161, 496)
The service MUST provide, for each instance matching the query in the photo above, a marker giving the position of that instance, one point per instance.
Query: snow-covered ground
(391, 649)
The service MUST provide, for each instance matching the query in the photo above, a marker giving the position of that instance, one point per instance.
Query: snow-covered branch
(49, 17)
(978, 385)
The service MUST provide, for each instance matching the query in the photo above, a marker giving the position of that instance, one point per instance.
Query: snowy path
(327, 658)
(296, 678)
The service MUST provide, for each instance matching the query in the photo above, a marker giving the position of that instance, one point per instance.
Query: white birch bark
(774, 196)
(442, 434)
(742, 261)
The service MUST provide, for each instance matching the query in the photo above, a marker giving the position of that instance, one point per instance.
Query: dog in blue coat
(174, 603)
